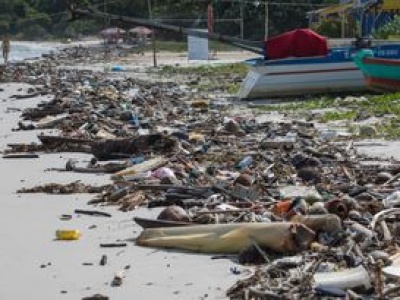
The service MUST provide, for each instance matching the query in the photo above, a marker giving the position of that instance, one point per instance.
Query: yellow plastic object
(68, 235)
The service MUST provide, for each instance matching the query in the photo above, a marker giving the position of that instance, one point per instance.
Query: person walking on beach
(6, 47)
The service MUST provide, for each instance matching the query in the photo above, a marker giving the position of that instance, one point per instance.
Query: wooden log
(92, 213)
(113, 245)
(151, 223)
(20, 155)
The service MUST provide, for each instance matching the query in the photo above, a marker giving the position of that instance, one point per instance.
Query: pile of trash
(318, 218)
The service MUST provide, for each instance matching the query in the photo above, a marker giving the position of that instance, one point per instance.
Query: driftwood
(229, 193)
(151, 223)
(26, 96)
(185, 203)
(53, 144)
(49, 140)
(115, 149)
(131, 201)
(89, 170)
(126, 199)
(64, 144)
(396, 177)
(21, 155)
(14, 148)
(71, 188)
(228, 211)
(37, 114)
(92, 213)
(113, 245)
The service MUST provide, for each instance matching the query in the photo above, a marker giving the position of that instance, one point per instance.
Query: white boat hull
(302, 79)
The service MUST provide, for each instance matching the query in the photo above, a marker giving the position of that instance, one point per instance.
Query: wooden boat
(153, 223)
(292, 64)
(381, 74)
(331, 73)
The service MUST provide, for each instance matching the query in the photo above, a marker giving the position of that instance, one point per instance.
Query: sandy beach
(34, 265)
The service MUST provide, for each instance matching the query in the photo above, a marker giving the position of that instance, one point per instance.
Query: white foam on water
(27, 50)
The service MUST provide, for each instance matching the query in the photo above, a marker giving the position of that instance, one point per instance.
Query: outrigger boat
(294, 63)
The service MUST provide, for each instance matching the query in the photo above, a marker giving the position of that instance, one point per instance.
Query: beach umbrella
(141, 30)
(112, 31)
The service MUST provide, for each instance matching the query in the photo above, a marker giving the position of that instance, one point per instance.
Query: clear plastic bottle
(245, 162)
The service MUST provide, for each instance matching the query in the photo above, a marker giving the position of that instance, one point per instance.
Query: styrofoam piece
(346, 279)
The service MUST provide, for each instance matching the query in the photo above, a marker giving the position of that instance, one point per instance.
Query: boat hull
(336, 72)
(383, 84)
(380, 74)
(301, 80)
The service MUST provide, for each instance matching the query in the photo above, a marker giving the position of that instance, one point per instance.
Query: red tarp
(297, 43)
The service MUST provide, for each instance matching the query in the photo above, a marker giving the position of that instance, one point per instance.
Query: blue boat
(333, 73)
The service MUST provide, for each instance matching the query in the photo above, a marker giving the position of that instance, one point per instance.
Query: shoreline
(165, 58)
(35, 265)
(49, 269)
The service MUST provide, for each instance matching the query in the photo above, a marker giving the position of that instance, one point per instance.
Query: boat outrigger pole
(92, 12)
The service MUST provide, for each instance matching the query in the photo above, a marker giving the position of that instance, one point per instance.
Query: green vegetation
(338, 115)
(383, 104)
(181, 46)
(300, 104)
(376, 105)
(239, 69)
(391, 29)
(210, 78)
(386, 105)
(390, 129)
(39, 19)
(331, 28)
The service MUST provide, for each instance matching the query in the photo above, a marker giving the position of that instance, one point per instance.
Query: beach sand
(34, 265)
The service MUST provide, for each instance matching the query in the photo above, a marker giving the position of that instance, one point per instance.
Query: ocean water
(27, 50)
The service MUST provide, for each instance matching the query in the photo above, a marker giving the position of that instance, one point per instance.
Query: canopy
(112, 31)
(141, 30)
(391, 5)
(334, 9)
(296, 43)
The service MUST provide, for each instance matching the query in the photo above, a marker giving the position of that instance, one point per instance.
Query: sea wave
(28, 50)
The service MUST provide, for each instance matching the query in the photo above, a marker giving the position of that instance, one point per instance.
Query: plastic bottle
(291, 136)
(135, 121)
(392, 200)
(137, 160)
(244, 163)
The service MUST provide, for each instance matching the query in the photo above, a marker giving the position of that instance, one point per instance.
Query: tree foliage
(40, 18)
(391, 29)
(330, 28)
